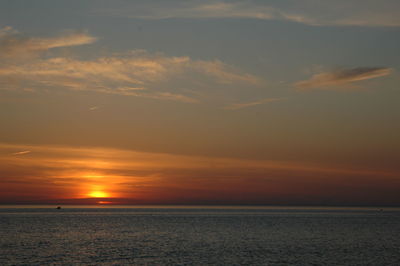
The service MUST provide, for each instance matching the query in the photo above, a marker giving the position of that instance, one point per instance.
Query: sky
(289, 102)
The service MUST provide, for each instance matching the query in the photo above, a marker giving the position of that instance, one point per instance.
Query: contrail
(21, 152)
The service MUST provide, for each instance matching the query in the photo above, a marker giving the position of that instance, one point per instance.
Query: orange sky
(59, 174)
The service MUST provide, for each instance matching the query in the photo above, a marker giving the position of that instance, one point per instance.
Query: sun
(98, 194)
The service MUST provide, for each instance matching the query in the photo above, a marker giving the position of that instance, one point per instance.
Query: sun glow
(98, 194)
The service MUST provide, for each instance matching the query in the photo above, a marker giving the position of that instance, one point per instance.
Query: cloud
(237, 106)
(7, 30)
(205, 9)
(14, 44)
(136, 73)
(310, 12)
(224, 73)
(341, 77)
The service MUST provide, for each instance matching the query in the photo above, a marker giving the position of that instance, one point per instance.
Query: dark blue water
(199, 236)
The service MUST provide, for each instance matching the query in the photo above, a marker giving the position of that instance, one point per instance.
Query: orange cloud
(13, 44)
(137, 73)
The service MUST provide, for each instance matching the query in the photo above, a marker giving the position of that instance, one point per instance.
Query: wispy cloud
(237, 106)
(336, 79)
(136, 73)
(311, 12)
(13, 44)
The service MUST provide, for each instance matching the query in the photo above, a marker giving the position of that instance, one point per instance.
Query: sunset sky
(293, 102)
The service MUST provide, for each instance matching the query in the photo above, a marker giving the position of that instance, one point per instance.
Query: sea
(198, 235)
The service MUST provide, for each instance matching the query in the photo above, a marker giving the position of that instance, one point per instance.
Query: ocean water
(199, 236)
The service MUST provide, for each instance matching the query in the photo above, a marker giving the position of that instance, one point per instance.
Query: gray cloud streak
(338, 78)
(310, 12)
